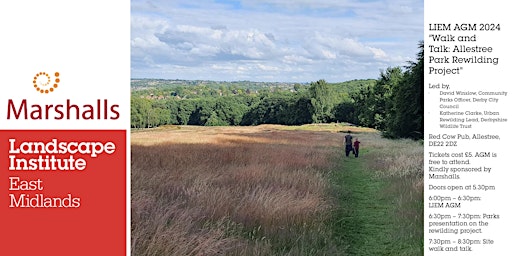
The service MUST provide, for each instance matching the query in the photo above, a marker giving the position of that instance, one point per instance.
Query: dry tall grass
(231, 191)
(257, 190)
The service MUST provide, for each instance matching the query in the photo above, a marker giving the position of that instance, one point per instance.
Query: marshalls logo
(43, 82)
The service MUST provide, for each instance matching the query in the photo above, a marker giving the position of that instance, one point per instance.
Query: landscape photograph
(276, 127)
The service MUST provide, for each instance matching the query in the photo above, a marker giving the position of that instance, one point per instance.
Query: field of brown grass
(228, 190)
(260, 190)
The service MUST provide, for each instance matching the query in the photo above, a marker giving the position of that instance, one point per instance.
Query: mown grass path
(364, 221)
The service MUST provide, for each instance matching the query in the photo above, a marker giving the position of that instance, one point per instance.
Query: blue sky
(273, 40)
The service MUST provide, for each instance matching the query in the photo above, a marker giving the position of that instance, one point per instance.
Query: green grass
(366, 221)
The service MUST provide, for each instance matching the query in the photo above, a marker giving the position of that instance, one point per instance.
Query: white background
(474, 77)
(87, 42)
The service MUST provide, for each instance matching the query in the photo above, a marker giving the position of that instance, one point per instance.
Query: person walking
(348, 144)
(356, 147)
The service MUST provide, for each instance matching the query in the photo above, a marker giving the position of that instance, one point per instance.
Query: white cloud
(267, 67)
(296, 59)
(306, 40)
(378, 53)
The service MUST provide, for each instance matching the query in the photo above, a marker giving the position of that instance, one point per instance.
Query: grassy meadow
(273, 190)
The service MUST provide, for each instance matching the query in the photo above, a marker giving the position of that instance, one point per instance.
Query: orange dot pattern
(44, 86)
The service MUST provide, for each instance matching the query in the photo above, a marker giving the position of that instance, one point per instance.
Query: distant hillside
(164, 88)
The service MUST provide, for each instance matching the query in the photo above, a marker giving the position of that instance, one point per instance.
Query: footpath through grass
(365, 221)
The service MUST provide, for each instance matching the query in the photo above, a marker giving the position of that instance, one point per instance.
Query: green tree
(322, 101)
(203, 109)
(372, 103)
(172, 107)
(382, 95)
(214, 120)
(136, 117)
(142, 113)
(185, 109)
(231, 109)
(346, 112)
(407, 111)
(363, 109)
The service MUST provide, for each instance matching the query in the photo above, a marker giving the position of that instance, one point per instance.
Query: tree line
(393, 103)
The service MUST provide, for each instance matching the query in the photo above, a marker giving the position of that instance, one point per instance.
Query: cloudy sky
(272, 40)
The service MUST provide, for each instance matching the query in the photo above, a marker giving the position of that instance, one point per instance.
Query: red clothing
(356, 144)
